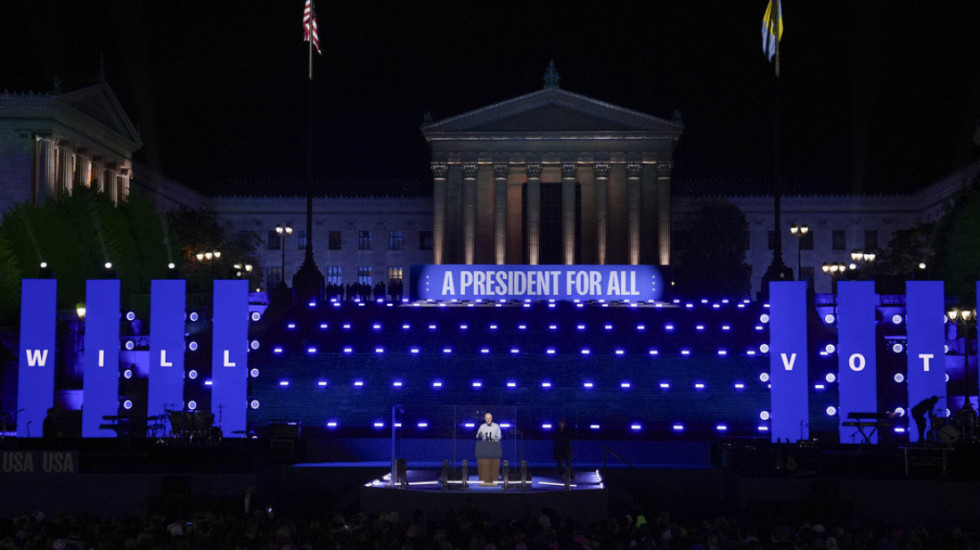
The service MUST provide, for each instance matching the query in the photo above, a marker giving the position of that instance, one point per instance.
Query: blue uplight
(358, 383)
(321, 383)
(291, 326)
(311, 350)
(636, 427)
(284, 383)
(588, 385)
(545, 384)
(586, 351)
(511, 384)
(677, 427)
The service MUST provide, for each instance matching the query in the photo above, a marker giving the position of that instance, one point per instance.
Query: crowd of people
(393, 290)
(464, 529)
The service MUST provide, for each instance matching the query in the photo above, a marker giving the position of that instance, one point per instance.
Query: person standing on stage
(919, 412)
(490, 430)
(562, 453)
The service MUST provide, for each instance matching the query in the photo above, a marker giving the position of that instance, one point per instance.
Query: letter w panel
(856, 355)
(165, 388)
(788, 360)
(35, 380)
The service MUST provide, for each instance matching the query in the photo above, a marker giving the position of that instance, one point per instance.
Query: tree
(197, 232)
(710, 261)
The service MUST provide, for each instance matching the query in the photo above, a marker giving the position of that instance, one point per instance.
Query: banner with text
(788, 361)
(857, 363)
(165, 388)
(536, 282)
(35, 380)
(925, 314)
(100, 383)
(229, 356)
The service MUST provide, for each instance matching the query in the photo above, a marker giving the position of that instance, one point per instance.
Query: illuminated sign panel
(857, 364)
(925, 312)
(536, 282)
(100, 383)
(165, 390)
(35, 380)
(229, 356)
(788, 360)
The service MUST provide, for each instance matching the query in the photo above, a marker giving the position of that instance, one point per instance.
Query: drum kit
(193, 426)
(960, 429)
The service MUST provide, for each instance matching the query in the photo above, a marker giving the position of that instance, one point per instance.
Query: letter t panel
(924, 311)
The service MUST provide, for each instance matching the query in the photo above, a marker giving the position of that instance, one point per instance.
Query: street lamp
(242, 270)
(799, 231)
(964, 318)
(859, 257)
(282, 231)
(834, 270)
(209, 257)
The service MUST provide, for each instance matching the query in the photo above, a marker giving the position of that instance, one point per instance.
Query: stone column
(663, 204)
(111, 186)
(439, 172)
(83, 167)
(568, 212)
(47, 176)
(533, 213)
(601, 182)
(98, 174)
(469, 213)
(66, 168)
(633, 171)
(500, 213)
(125, 176)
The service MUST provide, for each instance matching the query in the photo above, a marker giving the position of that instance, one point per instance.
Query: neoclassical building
(51, 142)
(551, 177)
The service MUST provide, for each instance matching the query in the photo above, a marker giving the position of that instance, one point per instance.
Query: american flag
(309, 26)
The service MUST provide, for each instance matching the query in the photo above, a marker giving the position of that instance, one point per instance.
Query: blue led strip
(100, 363)
(229, 359)
(167, 313)
(856, 358)
(35, 380)
(788, 360)
(924, 307)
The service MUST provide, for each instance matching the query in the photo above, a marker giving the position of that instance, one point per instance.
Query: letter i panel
(856, 359)
(788, 360)
(229, 359)
(35, 380)
(100, 383)
(924, 308)
(165, 388)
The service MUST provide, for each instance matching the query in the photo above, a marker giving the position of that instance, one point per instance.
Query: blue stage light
(699, 327)
(552, 327)
(721, 428)
(764, 377)
(379, 350)
(685, 352)
(348, 350)
(291, 326)
(414, 351)
(830, 348)
(722, 352)
(760, 328)
(332, 424)
(641, 327)
(898, 378)
(668, 328)
(128, 374)
(522, 326)
(284, 383)
(677, 427)
(469, 425)
(505, 425)
(588, 385)
(831, 410)
(447, 350)
(726, 327)
(593, 426)
(376, 326)
(324, 326)
(477, 384)
(311, 304)
(192, 345)
(254, 404)
(586, 351)
(580, 327)
(436, 384)
(896, 319)
(764, 318)
(624, 385)
(130, 316)
(191, 405)
(397, 384)
(311, 350)
(897, 347)
(550, 351)
(764, 415)
(546, 426)
(689, 306)
(127, 404)
(406, 326)
(514, 351)
(620, 351)
(254, 373)
(379, 425)
(545, 384)
(484, 350)
(579, 305)
(511, 384)
(763, 428)
(192, 374)
(739, 386)
(254, 344)
(829, 318)
(464, 327)
(321, 383)
(664, 386)
(422, 425)
(432, 327)
(607, 326)
(636, 427)
(750, 353)
(699, 385)
(130, 345)
(493, 326)
(830, 377)
(764, 348)
(194, 316)
(654, 352)
(819, 387)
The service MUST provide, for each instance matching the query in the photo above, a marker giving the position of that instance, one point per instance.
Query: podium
(488, 455)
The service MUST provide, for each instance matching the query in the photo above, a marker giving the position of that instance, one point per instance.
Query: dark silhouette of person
(562, 452)
(50, 429)
(919, 412)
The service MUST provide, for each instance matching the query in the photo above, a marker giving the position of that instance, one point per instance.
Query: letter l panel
(35, 380)
(100, 382)
(165, 389)
(924, 310)
(856, 359)
(788, 360)
(229, 356)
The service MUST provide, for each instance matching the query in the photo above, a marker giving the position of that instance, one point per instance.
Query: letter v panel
(788, 360)
(165, 387)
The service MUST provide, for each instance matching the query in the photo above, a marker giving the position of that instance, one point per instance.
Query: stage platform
(584, 498)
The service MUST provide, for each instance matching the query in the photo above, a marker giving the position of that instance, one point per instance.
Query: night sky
(878, 96)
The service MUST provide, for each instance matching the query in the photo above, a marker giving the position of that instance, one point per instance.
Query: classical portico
(552, 177)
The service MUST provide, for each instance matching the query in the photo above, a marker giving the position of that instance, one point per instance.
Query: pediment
(100, 103)
(553, 110)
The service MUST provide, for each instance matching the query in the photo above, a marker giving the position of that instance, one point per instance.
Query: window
(395, 239)
(364, 240)
(772, 240)
(870, 239)
(806, 241)
(275, 241)
(425, 240)
(335, 275)
(394, 273)
(333, 240)
(301, 240)
(364, 275)
(839, 238)
(273, 276)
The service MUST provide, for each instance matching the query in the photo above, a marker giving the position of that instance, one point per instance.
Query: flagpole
(777, 270)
